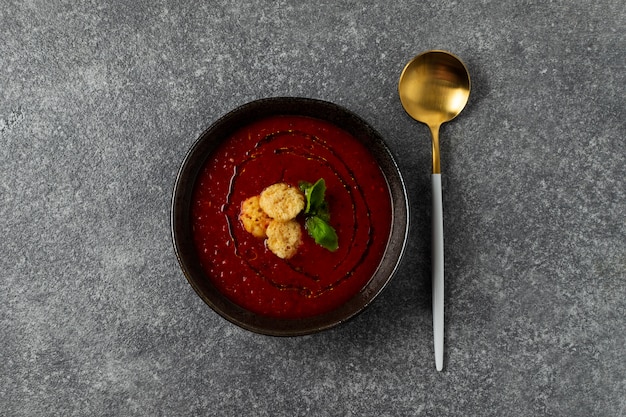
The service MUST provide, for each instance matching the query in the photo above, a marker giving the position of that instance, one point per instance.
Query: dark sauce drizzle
(251, 155)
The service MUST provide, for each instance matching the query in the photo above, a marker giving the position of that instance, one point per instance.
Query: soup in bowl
(289, 216)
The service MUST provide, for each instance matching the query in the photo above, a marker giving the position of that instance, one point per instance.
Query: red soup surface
(291, 149)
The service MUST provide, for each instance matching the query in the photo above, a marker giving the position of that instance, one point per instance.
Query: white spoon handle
(437, 269)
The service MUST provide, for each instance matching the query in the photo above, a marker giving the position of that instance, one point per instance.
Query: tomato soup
(291, 149)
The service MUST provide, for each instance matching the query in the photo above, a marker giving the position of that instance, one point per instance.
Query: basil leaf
(322, 232)
(317, 214)
(315, 196)
(306, 188)
(322, 212)
(304, 185)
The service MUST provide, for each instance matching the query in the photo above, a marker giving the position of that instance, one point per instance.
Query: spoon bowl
(434, 88)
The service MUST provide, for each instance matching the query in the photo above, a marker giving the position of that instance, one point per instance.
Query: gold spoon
(434, 88)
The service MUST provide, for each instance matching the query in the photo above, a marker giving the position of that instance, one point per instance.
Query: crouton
(284, 238)
(281, 201)
(254, 219)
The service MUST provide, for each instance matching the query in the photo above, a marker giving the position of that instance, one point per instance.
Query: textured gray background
(99, 101)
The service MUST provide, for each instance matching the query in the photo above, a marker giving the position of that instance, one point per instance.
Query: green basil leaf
(316, 195)
(304, 185)
(306, 188)
(317, 214)
(322, 232)
(322, 212)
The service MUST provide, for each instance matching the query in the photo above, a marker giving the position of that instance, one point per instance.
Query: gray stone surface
(99, 101)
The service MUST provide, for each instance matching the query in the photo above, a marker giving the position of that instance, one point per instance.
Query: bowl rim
(200, 151)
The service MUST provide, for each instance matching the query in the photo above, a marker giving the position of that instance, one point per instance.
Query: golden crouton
(281, 201)
(284, 238)
(254, 219)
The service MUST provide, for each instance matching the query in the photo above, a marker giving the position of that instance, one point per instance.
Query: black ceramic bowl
(181, 213)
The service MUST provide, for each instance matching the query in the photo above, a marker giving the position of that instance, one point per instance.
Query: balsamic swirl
(350, 184)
